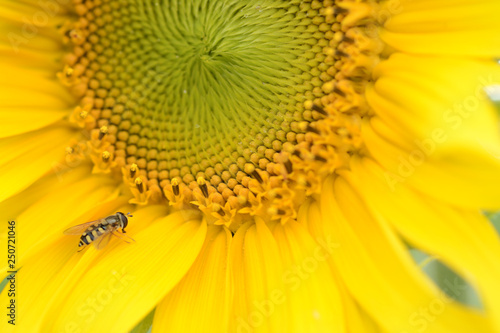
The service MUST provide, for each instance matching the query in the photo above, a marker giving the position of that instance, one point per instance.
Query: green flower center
(204, 98)
(200, 89)
(214, 81)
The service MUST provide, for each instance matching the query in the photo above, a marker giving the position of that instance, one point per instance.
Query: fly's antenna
(128, 214)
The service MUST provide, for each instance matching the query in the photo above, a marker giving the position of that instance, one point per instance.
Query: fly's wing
(103, 240)
(79, 229)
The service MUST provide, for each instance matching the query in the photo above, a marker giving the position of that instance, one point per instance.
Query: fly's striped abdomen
(92, 234)
(99, 232)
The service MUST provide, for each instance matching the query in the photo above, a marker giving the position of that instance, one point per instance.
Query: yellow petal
(129, 279)
(437, 93)
(40, 63)
(48, 100)
(312, 296)
(33, 203)
(38, 241)
(356, 319)
(69, 206)
(452, 27)
(32, 26)
(43, 275)
(204, 293)
(453, 177)
(379, 272)
(437, 229)
(26, 157)
(40, 80)
(12, 120)
(15, 97)
(43, 92)
(259, 299)
(309, 216)
(11, 208)
(42, 41)
(438, 126)
(37, 283)
(283, 282)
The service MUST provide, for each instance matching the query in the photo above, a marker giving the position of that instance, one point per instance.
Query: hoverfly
(100, 231)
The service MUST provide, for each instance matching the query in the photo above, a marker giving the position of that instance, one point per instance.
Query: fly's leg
(120, 235)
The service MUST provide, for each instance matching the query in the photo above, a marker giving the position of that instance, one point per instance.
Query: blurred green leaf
(145, 325)
(451, 283)
(3, 284)
(495, 219)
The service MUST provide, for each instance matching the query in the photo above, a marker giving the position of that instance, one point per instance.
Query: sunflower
(279, 159)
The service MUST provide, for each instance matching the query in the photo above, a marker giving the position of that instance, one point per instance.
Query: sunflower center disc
(199, 89)
(216, 78)
(237, 107)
